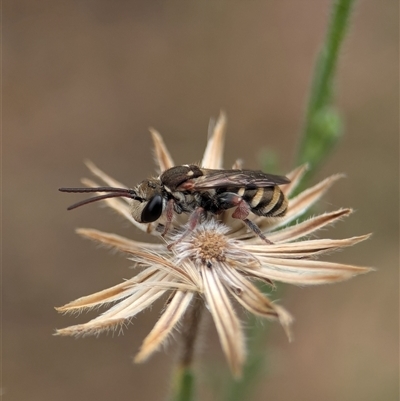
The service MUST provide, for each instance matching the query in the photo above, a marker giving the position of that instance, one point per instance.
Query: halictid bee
(200, 191)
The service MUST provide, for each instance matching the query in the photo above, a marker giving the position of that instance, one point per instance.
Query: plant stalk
(323, 125)
(184, 379)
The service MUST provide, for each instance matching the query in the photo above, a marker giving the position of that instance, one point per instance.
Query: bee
(199, 192)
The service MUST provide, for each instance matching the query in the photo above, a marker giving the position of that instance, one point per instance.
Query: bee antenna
(97, 189)
(112, 193)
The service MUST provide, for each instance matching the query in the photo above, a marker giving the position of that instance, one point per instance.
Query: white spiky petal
(219, 261)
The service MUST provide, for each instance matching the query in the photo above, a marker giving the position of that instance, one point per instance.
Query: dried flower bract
(220, 261)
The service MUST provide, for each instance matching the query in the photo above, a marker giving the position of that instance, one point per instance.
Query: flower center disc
(210, 246)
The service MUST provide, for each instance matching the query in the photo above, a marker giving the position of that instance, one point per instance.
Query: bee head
(147, 200)
(149, 204)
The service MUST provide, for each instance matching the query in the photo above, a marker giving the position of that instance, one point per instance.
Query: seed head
(218, 261)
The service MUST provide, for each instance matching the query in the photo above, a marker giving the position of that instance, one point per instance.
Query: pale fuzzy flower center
(210, 246)
(206, 244)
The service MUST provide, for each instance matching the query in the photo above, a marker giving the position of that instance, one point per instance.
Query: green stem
(184, 379)
(322, 127)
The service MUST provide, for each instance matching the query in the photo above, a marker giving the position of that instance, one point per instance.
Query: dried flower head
(219, 262)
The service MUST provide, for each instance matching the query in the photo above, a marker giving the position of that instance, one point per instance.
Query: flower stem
(183, 385)
(323, 126)
(184, 379)
(322, 129)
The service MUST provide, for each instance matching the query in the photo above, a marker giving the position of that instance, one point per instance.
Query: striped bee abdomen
(268, 202)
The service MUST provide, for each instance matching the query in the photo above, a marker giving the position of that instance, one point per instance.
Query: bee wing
(248, 179)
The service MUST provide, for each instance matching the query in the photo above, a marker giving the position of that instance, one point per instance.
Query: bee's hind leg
(241, 212)
(254, 227)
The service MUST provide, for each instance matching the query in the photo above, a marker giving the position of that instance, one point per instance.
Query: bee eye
(152, 210)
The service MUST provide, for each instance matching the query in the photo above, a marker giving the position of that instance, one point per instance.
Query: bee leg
(194, 219)
(169, 211)
(256, 229)
(241, 212)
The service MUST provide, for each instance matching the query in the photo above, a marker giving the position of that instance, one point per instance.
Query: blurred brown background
(85, 79)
